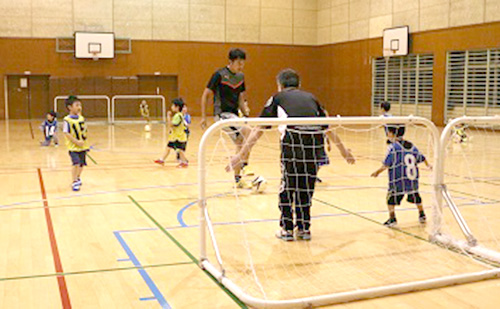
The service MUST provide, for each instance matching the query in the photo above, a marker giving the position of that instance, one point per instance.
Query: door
(28, 96)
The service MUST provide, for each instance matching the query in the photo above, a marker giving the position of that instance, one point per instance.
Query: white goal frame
(133, 97)
(470, 244)
(87, 97)
(306, 302)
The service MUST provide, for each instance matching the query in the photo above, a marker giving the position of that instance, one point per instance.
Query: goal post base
(462, 245)
(356, 295)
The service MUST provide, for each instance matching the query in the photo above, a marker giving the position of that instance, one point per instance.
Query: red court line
(63, 289)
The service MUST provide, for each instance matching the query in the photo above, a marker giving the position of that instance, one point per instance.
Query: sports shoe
(391, 222)
(422, 219)
(161, 162)
(182, 165)
(75, 186)
(303, 235)
(242, 184)
(246, 171)
(78, 182)
(284, 235)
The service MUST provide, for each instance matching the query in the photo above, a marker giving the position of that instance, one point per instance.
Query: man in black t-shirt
(227, 85)
(301, 148)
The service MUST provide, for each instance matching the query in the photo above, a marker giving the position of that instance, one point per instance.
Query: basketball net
(95, 56)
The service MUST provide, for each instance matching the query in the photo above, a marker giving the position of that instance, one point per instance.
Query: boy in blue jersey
(402, 161)
(49, 129)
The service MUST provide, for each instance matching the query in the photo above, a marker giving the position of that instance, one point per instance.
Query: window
(472, 83)
(406, 82)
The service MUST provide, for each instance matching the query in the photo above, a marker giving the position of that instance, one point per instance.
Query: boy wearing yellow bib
(177, 138)
(75, 132)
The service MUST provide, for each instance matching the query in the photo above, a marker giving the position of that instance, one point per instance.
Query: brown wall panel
(349, 65)
(339, 74)
(193, 63)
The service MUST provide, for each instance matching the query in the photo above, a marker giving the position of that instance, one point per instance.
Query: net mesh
(350, 248)
(472, 179)
(138, 109)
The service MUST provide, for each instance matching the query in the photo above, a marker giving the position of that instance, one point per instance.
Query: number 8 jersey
(75, 125)
(402, 160)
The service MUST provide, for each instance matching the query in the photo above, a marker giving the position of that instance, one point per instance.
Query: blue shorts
(395, 198)
(78, 157)
(176, 145)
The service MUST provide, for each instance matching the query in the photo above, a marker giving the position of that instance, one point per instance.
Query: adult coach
(227, 85)
(301, 147)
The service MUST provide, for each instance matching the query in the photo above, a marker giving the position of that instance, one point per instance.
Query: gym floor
(129, 238)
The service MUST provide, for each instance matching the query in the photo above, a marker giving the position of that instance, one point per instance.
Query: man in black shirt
(227, 85)
(301, 148)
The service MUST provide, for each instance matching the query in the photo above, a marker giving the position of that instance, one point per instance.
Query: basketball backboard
(396, 41)
(92, 45)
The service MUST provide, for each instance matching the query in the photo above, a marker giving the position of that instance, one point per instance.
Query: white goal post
(88, 97)
(470, 244)
(217, 267)
(134, 97)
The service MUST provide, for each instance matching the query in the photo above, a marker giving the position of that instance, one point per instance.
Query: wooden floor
(129, 238)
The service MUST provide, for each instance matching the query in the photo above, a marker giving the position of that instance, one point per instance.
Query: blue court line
(180, 214)
(144, 274)
(147, 298)
(122, 260)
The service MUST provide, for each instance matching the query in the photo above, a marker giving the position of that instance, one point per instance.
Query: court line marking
(31, 130)
(93, 271)
(63, 289)
(92, 159)
(451, 249)
(144, 274)
(195, 260)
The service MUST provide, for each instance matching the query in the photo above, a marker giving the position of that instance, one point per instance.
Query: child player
(187, 123)
(49, 129)
(177, 138)
(75, 132)
(402, 161)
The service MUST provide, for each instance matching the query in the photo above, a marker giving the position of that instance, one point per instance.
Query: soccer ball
(259, 184)
(147, 128)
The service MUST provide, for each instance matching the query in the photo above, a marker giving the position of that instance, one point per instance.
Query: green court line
(484, 261)
(83, 272)
(186, 251)
(91, 159)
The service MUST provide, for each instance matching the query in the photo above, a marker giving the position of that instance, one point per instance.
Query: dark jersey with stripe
(298, 142)
(227, 87)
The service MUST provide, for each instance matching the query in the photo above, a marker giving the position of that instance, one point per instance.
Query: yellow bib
(178, 129)
(78, 130)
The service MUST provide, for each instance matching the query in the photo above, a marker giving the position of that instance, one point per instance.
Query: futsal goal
(352, 255)
(127, 108)
(95, 106)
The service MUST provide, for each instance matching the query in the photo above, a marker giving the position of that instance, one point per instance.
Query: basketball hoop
(95, 55)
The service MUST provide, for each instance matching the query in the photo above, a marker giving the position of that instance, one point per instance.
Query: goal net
(138, 108)
(470, 174)
(351, 255)
(96, 108)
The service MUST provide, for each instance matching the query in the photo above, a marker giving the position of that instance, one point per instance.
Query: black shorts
(176, 145)
(78, 157)
(395, 198)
